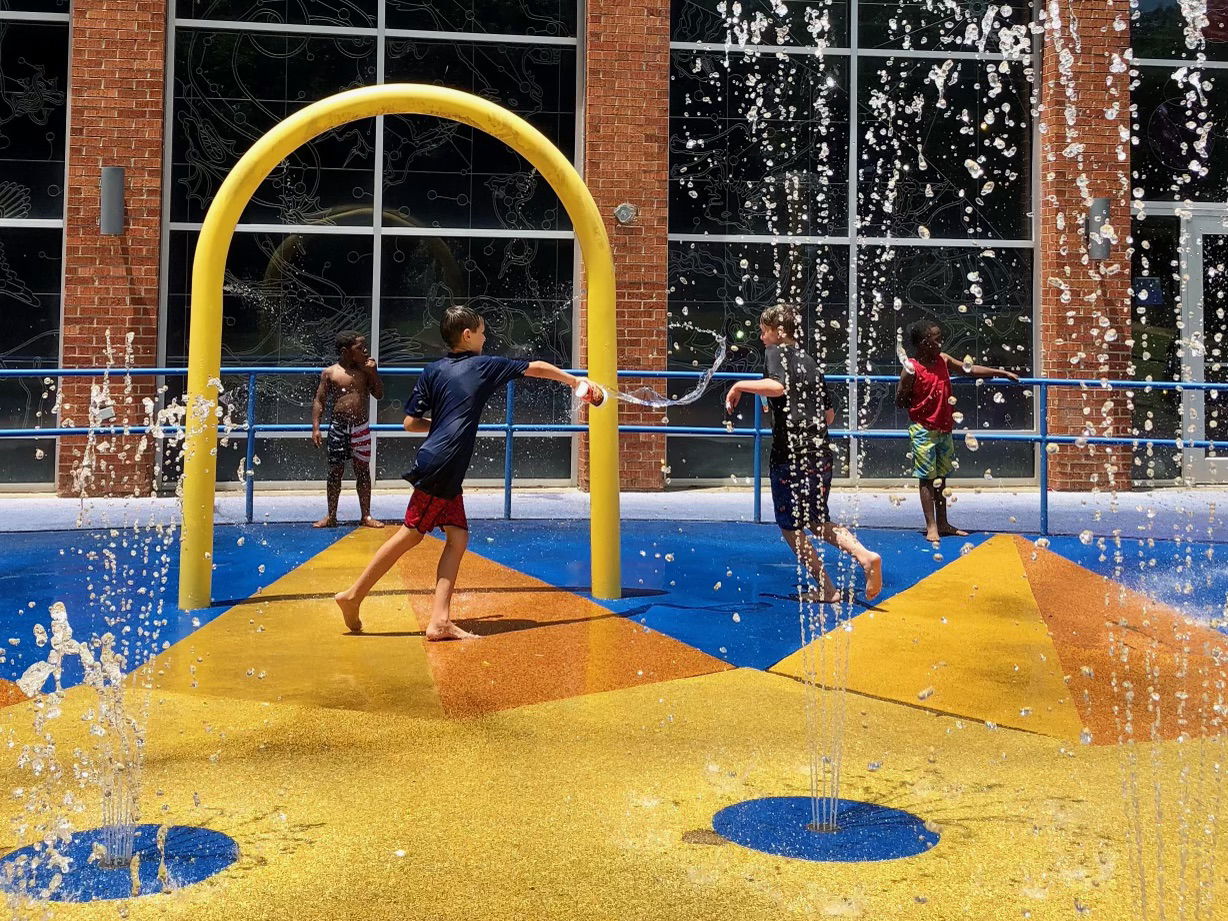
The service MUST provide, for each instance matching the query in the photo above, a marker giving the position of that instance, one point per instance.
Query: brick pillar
(1085, 154)
(626, 159)
(111, 283)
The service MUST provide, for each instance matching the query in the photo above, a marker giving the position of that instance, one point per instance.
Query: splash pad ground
(570, 763)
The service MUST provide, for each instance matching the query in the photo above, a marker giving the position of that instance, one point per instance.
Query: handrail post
(758, 458)
(249, 466)
(507, 451)
(1043, 410)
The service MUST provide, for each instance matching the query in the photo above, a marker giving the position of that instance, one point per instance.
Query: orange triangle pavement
(1137, 669)
(538, 643)
(10, 693)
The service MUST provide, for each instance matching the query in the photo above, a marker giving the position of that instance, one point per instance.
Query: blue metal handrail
(509, 428)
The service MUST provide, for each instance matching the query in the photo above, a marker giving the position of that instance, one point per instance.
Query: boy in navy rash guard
(454, 391)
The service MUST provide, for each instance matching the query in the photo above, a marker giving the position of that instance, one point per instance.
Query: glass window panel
(722, 288)
(1180, 146)
(521, 287)
(787, 172)
(24, 460)
(232, 87)
(903, 284)
(439, 173)
(33, 106)
(992, 460)
(1158, 30)
(285, 299)
(922, 25)
(532, 458)
(30, 259)
(806, 22)
(360, 13)
(962, 169)
(1214, 311)
(513, 17)
(34, 6)
(1156, 354)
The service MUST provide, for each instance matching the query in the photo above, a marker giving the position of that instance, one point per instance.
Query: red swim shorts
(426, 512)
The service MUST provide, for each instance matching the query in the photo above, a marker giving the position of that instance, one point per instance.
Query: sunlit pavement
(569, 762)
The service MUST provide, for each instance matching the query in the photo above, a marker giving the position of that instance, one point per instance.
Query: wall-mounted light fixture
(626, 213)
(1098, 245)
(111, 213)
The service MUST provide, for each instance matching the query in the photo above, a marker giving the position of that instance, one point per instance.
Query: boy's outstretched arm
(551, 373)
(978, 370)
(764, 387)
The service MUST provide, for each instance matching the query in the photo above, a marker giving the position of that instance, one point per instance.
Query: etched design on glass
(719, 21)
(232, 87)
(441, 173)
(33, 106)
(734, 168)
(722, 288)
(982, 299)
(553, 18)
(945, 149)
(30, 264)
(1180, 133)
(1160, 29)
(324, 13)
(922, 25)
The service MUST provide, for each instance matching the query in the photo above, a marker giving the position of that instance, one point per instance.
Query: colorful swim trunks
(347, 441)
(933, 453)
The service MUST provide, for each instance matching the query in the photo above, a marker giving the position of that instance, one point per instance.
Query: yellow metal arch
(205, 342)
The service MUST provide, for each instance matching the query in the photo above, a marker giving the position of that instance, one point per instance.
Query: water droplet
(1086, 537)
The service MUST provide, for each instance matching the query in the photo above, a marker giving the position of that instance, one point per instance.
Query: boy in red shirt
(453, 392)
(925, 391)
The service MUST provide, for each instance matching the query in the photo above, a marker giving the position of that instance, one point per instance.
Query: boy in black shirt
(800, 466)
(453, 390)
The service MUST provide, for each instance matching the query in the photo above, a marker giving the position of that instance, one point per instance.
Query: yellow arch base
(205, 343)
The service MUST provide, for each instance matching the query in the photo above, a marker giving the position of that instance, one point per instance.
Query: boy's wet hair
(455, 321)
(917, 331)
(346, 339)
(783, 317)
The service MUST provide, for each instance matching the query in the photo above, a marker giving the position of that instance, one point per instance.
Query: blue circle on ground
(190, 855)
(781, 825)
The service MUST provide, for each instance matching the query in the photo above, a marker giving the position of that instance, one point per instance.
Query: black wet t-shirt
(454, 391)
(799, 416)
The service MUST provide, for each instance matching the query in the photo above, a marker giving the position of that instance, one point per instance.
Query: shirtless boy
(347, 386)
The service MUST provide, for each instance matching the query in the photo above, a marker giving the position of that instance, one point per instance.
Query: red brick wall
(626, 159)
(1081, 298)
(111, 283)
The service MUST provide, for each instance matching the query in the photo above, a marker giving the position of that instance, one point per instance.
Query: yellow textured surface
(972, 635)
(377, 806)
(288, 644)
(599, 807)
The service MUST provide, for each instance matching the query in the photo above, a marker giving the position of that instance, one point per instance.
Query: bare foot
(369, 522)
(448, 631)
(832, 597)
(874, 576)
(326, 522)
(932, 535)
(950, 531)
(349, 611)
